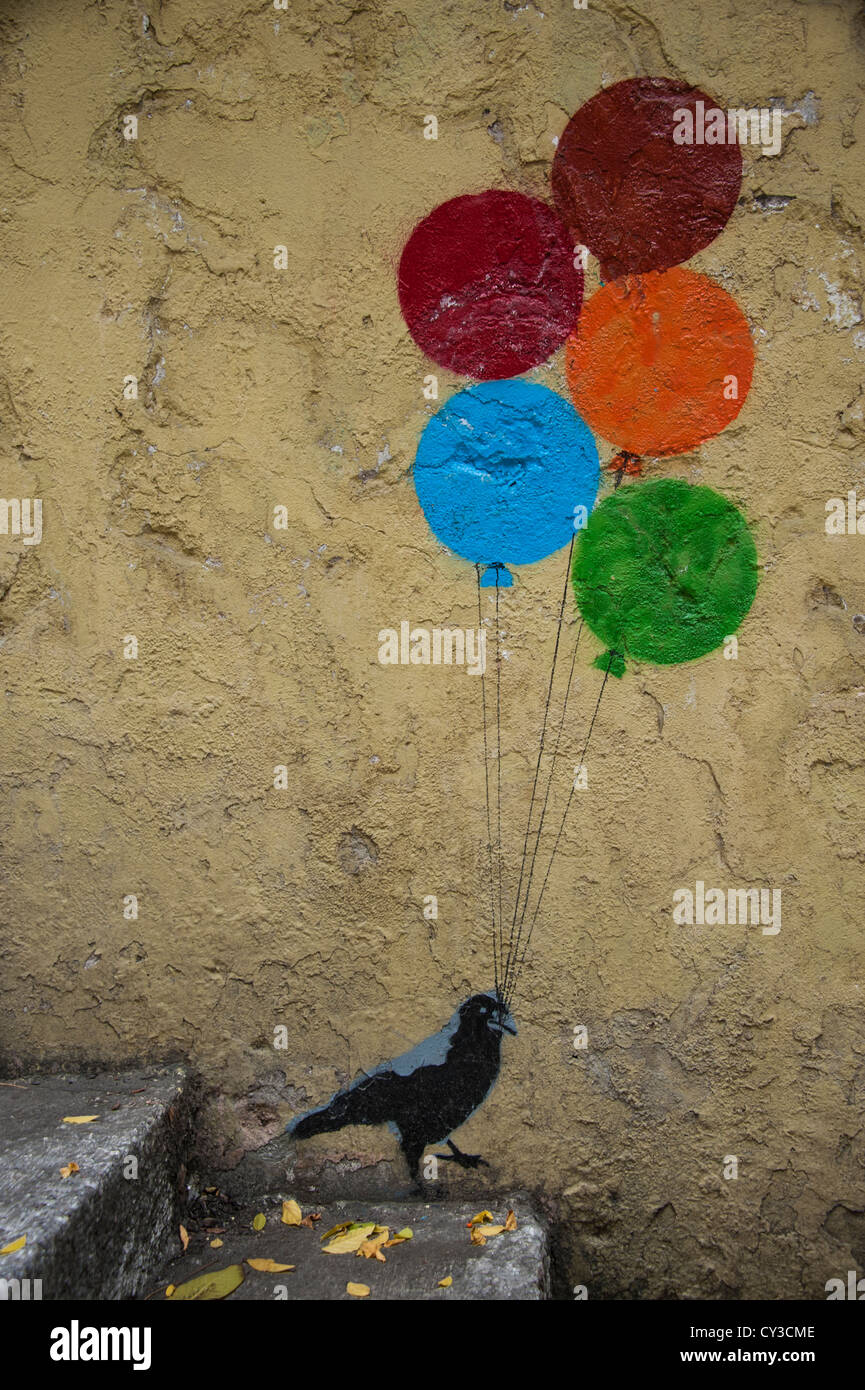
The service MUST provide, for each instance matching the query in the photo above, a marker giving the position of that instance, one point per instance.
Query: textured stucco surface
(258, 647)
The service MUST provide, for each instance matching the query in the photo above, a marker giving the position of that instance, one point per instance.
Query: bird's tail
(324, 1120)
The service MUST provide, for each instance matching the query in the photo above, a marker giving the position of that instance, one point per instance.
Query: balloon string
(487, 787)
(513, 930)
(499, 768)
(550, 773)
(521, 961)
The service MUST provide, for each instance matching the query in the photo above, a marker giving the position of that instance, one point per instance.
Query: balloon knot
(625, 465)
(611, 663)
(496, 576)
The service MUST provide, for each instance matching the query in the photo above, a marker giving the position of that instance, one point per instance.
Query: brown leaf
(68, 1169)
(184, 1237)
(486, 1230)
(477, 1238)
(510, 1222)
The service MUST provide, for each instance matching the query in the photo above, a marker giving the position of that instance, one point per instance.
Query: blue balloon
(500, 471)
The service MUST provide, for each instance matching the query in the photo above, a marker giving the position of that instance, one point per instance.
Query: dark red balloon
(625, 189)
(488, 284)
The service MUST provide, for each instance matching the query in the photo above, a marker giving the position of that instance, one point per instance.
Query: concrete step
(511, 1266)
(111, 1230)
(102, 1232)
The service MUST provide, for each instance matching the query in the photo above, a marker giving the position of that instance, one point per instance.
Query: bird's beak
(503, 1026)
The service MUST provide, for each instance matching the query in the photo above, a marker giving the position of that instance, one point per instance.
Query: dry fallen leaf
(215, 1244)
(291, 1214)
(358, 1290)
(370, 1249)
(14, 1245)
(405, 1234)
(68, 1169)
(170, 1290)
(477, 1238)
(481, 1216)
(485, 1230)
(510, 1222)
(351, 1240)
(268, 1266)
(343, 1226)
(216, 1283)
(259, 1221)
(311, 1219)
(184, 1237)
(446, 1282)
(79, 1119)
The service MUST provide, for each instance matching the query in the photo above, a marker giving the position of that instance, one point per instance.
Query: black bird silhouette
(428, 1092)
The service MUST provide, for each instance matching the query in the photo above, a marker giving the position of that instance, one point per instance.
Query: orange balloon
(659, 362)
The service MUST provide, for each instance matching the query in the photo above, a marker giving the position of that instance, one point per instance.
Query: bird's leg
(464, 1160)
(413, 1151)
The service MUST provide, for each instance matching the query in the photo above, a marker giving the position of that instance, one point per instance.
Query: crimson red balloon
(629, 192)
(488, 285)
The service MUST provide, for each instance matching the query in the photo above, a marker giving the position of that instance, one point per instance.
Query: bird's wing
(432, 1052)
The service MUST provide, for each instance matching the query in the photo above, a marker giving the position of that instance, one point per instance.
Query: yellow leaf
(68, 1169)
(169, 1291)
(358, 1290)
(215, 1244)
(184, 1237)
(481, 1216)
(291, 1214)
(352, 1240)
(510, 1222)
(446, 1282)
(489, 1230)
(370, 1247)
(216, 1283)
(343, 1226)
(259, 1221)
(79, 1119)
(268, 1266)
(477, 1238)
(14, 1245)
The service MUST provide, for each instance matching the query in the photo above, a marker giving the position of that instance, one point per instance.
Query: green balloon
(663, 572)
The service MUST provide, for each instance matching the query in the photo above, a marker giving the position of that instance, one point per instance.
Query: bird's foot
(464, 1160)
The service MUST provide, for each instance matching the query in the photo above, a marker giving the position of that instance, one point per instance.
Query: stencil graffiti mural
(506, 473)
